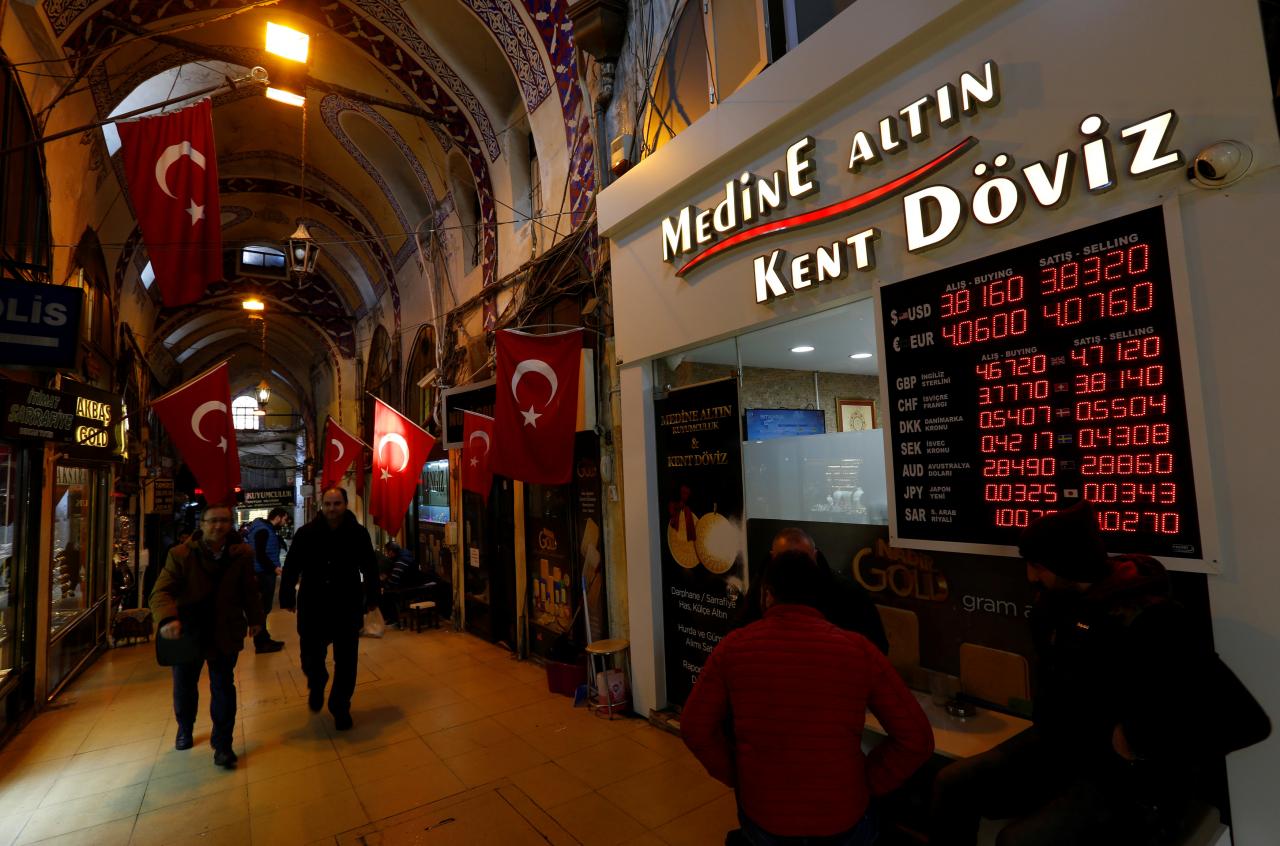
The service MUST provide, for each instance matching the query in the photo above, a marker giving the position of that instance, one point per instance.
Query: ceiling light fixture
(803, 348)
(286, 97)
(860, 355)
(287, 42)
(254, 304)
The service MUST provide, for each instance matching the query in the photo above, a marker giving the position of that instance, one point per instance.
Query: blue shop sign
(39, 324)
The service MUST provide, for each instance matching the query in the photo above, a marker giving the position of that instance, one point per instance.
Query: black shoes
(183, 740)
(225, 758)
(342, 722)
(269, 646)
(315, 700)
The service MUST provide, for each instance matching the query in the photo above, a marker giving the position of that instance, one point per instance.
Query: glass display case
(433, 495)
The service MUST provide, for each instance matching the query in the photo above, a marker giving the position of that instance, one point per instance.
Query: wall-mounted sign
(39, 324)
(269, 498)
(84, 420)
(751, 206)
(479, 398)
(1020, 383)
(162, 496)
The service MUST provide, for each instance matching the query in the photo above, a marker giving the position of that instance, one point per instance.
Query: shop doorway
(489, 562)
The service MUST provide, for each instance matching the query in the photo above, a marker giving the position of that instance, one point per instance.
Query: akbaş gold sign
(932, 215)
(96, 434)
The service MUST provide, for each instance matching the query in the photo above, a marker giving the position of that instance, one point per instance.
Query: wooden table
(957, 738)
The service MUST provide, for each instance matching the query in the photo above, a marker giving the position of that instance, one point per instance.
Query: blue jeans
(862, 834)
(222, 697)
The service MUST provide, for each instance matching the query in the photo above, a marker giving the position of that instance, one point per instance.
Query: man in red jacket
(778, 712)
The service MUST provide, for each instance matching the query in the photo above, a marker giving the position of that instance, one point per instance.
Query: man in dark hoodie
(1109, 743)
(334, 558)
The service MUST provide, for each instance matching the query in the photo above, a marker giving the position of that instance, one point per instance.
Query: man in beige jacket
(207, 589)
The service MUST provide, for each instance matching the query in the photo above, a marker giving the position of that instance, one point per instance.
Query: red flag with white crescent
(400, 449)
(477, 446)
(172, 172)
(197, 416)
(536, 410)
(340, 449)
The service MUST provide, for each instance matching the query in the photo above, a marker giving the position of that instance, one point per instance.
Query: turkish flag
(197, 416)
(477, 446)
(172, 172)
(536, 411)
(340, 449)
(400, 449)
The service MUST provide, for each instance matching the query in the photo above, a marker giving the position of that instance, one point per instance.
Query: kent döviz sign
(932, 214)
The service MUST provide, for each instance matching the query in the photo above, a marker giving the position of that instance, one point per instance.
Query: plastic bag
(374, 625)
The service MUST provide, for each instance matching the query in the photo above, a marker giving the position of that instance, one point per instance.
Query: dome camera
(1220, 164)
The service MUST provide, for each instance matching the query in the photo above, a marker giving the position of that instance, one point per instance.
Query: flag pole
(257, 76)
(190, 381)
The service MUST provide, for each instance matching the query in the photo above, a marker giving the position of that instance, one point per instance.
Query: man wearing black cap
(1105, 743)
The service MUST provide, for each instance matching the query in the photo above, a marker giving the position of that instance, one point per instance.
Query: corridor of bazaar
(638, 421)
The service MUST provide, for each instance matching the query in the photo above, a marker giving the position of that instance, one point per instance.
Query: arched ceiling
(394, 89)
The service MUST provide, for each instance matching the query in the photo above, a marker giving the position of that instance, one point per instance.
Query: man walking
(207, 589)
(778, 710)
(335, 560)
(264, 536)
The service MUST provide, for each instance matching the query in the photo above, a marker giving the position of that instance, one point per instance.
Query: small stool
(601, 656)
(418, 609)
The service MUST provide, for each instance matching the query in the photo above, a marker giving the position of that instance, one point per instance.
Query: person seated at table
(778, 710)
(1114, 747)
(401, 574)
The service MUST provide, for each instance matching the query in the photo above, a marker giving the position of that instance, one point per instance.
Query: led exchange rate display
(1019, 383)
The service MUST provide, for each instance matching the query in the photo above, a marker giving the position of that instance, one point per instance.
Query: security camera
(1220, 164)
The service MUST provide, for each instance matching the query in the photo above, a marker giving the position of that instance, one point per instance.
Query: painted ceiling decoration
(556, 29)
(509, 30)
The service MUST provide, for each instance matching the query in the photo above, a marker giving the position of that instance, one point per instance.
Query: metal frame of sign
(444, 398)
(1197, 431)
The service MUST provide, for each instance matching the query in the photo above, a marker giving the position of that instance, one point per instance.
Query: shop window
(244, 413)
(803, 18)
(78, 540)
(259, 260)
(433, 495)
(419, 394)
(718, 46)
(24, 206)
(8, 562)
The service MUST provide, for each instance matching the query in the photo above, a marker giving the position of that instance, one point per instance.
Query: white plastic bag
(374, 625)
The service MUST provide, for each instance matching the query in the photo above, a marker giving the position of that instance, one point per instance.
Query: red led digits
(1138, 434)
(1162, 522)
(1001, 418)
(1019, 517)
(1122, 408)
(1032, 492)
(1029, 466)
(988, 327)
(1116, 302)
(1131, 493)
(1127, 464)
(955, 303)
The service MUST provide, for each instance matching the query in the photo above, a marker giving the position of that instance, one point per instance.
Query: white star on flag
(385, 474)
(475, 462)
(531, 417)
(196, 212)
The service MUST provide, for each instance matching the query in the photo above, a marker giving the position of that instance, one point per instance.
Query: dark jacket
(778, 712)
(185, 590)
(265, 541)
(338, 569)
(1116, 654)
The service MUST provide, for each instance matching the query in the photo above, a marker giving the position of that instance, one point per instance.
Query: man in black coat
(334, 557)
(1112, 747)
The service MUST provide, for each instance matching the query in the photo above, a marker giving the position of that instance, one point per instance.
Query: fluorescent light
(254, 304)
(287, 43)
(286, 97)
(803, 348)
(860, 355)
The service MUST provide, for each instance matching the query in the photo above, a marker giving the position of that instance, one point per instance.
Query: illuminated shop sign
(1023, 382)
(754, 207)
(84, 420)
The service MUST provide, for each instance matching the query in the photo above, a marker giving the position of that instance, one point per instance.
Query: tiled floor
(455, 743)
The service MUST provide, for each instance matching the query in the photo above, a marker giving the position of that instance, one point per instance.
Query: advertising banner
(39, 324)
(84, 420)
(704, 575)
